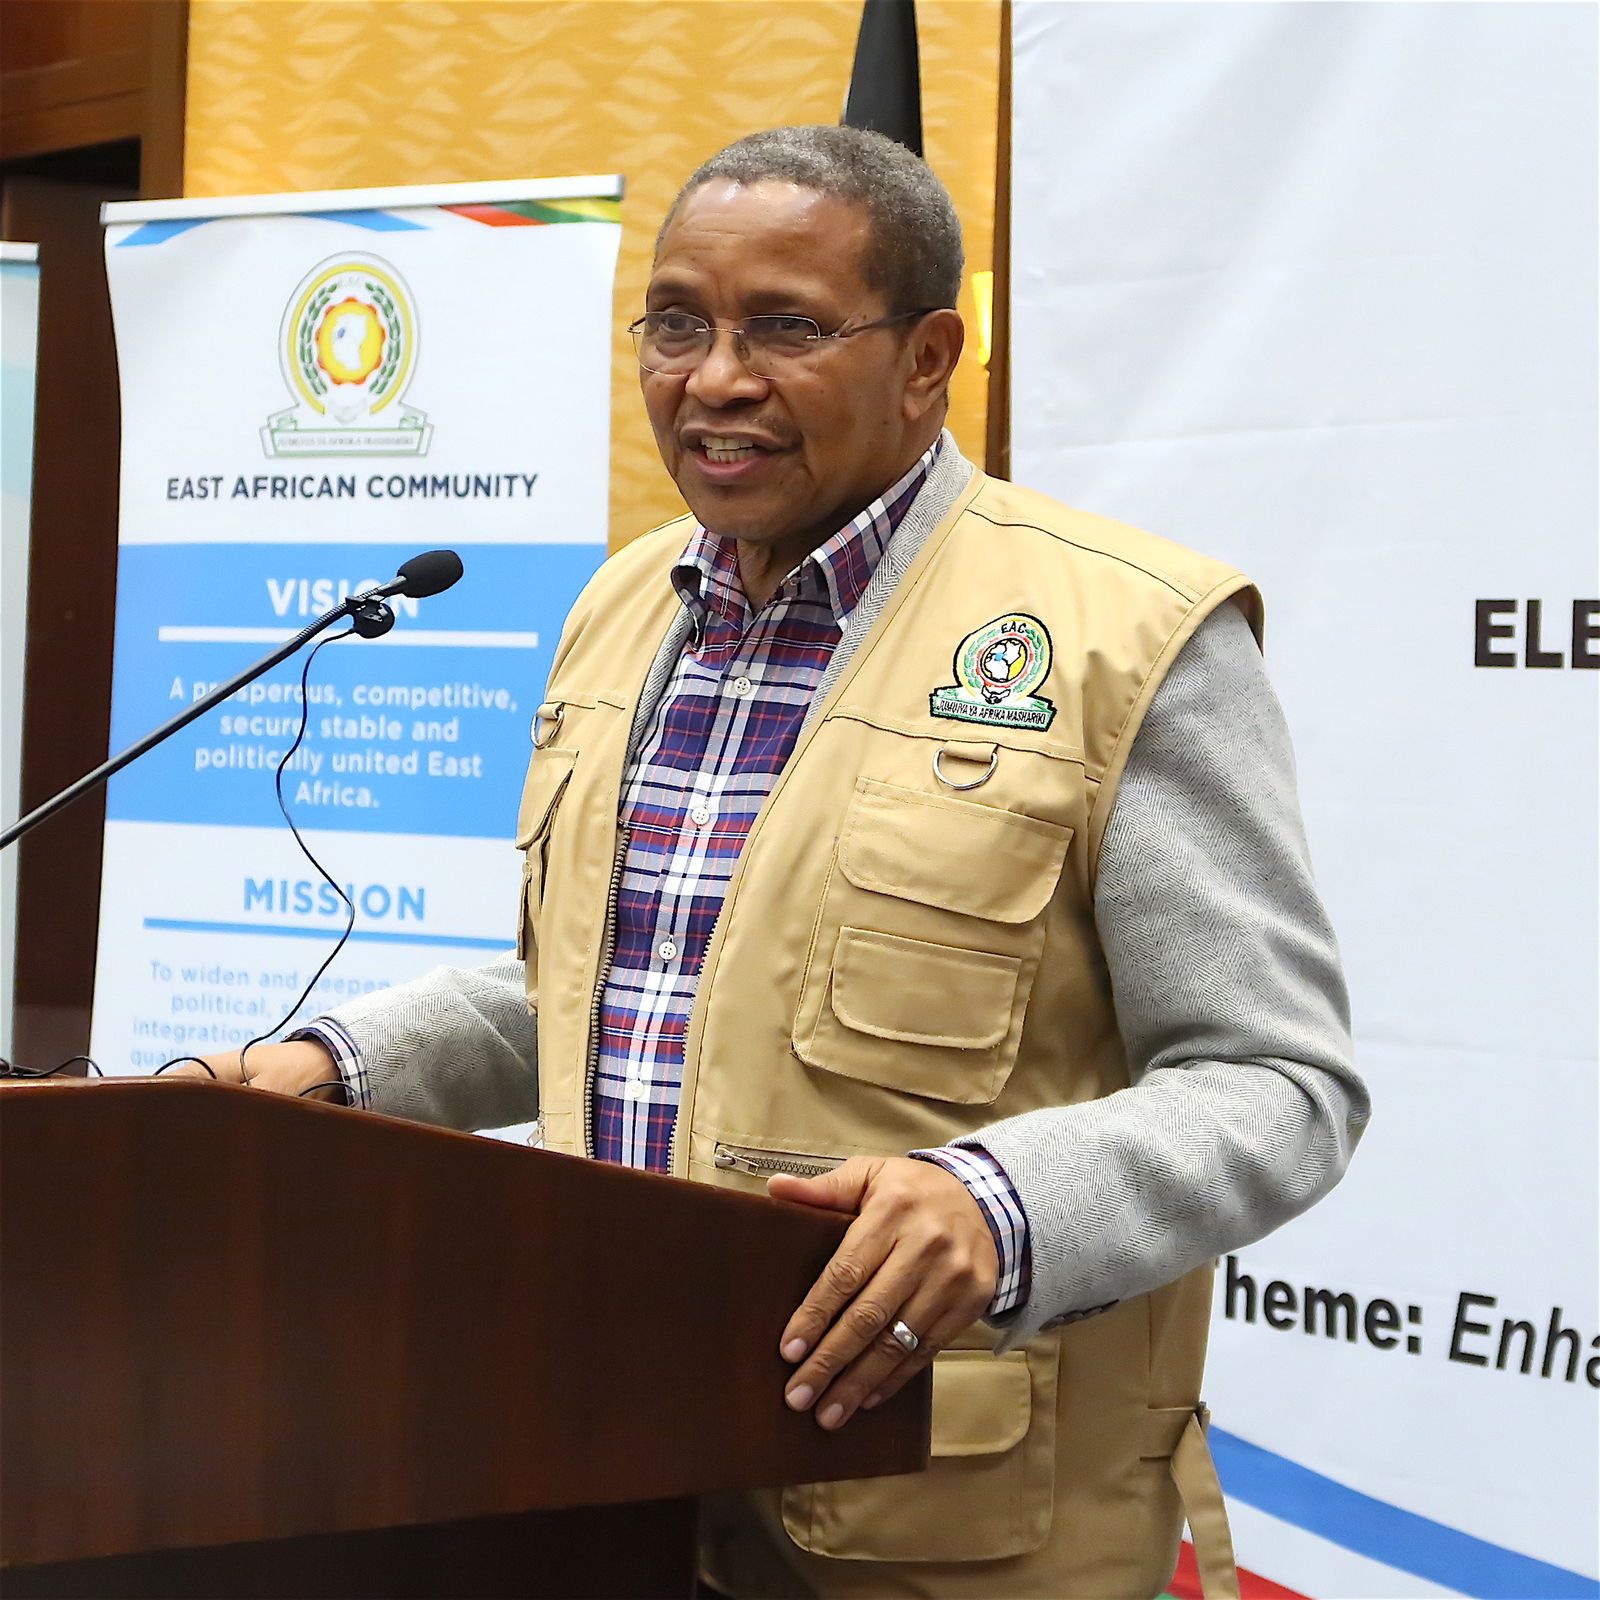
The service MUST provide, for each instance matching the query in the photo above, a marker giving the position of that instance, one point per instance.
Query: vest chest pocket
(926, 943)
(548, 775)
(989, 1488)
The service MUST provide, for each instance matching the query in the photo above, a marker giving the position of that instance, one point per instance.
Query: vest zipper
(761, 1163)
(608, 948)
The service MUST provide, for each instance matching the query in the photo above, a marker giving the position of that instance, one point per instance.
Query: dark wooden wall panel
(75, 73)
(71, 595)
(58, 37)
(91, 109)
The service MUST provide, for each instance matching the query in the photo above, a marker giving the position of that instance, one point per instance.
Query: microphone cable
(322, 872)
(14, 1069)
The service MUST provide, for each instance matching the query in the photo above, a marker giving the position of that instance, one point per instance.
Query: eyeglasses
(674, 343)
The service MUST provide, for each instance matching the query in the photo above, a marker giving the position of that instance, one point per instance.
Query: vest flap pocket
(548, 773)
(989, 1489)
(981, 1402)
(941, 851)
(916, 993)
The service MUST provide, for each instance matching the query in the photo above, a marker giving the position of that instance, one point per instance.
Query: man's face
(829, 434)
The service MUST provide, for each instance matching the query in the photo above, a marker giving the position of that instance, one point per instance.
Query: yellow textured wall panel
(959, 44)
(335, 94)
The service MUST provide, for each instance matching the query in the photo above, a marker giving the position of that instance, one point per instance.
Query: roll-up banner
(1312, 288)
(19, 341)
(316, 387)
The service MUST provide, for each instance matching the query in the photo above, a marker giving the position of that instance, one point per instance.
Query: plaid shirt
(725, 726)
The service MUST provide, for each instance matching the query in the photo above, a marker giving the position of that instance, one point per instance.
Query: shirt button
(742, 687)
(700, 816)
(667, 950)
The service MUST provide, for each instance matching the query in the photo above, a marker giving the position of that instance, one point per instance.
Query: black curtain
(885, 85)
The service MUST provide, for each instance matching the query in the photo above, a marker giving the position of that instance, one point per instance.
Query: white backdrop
(1312, 288)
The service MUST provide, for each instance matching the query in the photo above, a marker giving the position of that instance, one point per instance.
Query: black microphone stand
(369, 615)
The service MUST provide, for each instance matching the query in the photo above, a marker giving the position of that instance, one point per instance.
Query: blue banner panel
(425, 731)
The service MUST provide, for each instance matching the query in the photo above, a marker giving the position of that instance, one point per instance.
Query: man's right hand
(289, 1068)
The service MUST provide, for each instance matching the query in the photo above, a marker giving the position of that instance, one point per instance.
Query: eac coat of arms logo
(348, 345)
(998, 667)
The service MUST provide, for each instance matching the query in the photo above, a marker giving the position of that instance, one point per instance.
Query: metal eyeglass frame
(741, 349)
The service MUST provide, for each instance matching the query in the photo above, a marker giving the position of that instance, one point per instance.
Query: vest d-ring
(966, 752)
(547, 723)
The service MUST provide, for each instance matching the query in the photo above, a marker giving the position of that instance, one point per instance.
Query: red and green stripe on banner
(539, 213)
(1185, 1583)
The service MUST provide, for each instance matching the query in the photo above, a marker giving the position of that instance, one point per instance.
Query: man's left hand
(918, 1253)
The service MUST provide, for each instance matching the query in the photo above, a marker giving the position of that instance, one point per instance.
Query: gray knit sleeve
(1244, 1106)
(456, 1047)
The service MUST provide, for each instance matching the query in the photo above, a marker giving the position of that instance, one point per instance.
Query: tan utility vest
(907, 953)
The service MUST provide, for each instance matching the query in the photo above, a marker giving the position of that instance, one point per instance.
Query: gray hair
(913, 255)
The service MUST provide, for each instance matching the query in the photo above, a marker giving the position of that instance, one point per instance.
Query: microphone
(429, 573)
(432, 572)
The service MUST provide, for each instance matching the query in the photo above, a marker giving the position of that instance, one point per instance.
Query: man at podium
(905, 843)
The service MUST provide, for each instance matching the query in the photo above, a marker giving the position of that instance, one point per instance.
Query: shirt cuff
(346, 1057)
(988, 1184)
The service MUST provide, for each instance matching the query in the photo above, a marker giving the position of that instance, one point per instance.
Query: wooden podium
(251, 1345)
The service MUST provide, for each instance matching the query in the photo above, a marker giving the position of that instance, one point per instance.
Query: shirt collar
(706, 575)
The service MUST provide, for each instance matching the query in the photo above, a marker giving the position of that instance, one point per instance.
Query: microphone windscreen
(430, 573)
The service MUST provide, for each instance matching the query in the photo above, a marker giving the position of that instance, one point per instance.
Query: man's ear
(934, 347)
